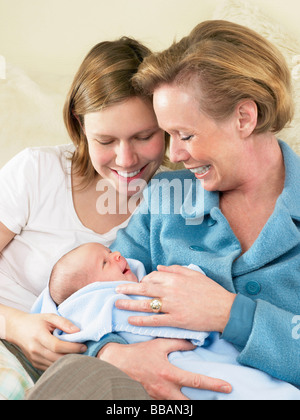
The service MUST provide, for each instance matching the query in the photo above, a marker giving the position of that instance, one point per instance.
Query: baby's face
(104, 264)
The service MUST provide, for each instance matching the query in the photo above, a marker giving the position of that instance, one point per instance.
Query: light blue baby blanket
(93, 310)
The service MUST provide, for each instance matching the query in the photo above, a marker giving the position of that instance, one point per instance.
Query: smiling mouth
(201, 170)
(130, 175)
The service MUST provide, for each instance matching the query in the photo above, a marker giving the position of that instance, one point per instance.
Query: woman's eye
(186, 138)
(105, 143)
(145, 138)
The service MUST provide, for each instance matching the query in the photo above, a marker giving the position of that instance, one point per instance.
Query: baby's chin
(129, 276)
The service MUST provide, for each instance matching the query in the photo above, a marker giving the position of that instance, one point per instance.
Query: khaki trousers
(77, 377)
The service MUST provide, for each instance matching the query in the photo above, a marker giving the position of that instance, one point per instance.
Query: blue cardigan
(263, 324)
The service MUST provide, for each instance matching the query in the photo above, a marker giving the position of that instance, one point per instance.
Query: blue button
(253, 288)
(196, 248)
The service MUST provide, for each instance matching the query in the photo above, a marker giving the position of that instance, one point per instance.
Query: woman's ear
(247, 114)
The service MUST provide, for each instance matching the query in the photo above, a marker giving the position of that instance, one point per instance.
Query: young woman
(49, 197)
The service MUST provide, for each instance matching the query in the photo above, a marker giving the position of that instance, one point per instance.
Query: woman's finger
(164, 273)
(61, 323)
(58, 346)
(45, 359)
(173, 345)
(140, 289)
(50, 350)
(197, 381)
(54, 344)
(175, 269)
(151, 321)
(134, 305)
(189, 379)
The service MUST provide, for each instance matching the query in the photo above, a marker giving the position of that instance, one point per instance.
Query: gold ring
(156, 305)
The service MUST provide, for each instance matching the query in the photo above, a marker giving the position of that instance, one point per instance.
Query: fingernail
(74, 328)
(226, 389)
(83, 349)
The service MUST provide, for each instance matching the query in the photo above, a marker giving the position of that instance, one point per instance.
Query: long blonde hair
(230, 62)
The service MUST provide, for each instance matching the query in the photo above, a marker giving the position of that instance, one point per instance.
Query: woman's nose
(178, 152)
(126, 156)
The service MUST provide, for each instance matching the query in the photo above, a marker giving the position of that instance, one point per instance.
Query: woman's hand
(148, 364)
(33, 334)
(190, 300)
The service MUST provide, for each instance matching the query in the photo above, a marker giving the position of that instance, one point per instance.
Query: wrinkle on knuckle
(198, 382)
(32, 348)
(139, 322)
(124, 304)
(143, 288)
(145, 306)
(156, 321)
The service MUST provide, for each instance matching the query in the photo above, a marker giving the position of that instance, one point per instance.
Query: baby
(82, 289)
(87, 264)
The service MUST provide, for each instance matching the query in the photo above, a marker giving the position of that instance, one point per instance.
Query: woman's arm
(148, 364)
(6, 236)
(273, 345)
(33, 333)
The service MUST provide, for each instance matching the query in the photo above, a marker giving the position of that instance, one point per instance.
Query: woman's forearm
(148, 364)
(273, 345)
(96, 348)
(8, 319)
(237, 331)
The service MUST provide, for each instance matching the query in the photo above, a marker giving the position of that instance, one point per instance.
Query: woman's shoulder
(46, 158)
(50, 153)
(39, 163)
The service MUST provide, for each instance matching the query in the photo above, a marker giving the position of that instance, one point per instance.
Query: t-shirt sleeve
(17, 180)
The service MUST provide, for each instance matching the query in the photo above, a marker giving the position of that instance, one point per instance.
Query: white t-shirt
(36, 203)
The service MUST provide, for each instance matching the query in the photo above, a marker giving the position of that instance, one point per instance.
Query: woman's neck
(263, 174)
(101, 210)
(248, 207)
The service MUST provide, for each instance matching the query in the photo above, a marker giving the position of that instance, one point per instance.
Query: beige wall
(54, 35)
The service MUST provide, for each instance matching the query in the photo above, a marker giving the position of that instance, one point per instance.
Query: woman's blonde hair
(103, 79)
(230, 63)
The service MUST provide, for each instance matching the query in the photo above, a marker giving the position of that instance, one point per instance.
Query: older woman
(222, 93)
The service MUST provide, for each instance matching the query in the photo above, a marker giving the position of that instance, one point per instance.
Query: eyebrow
(139, 133)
